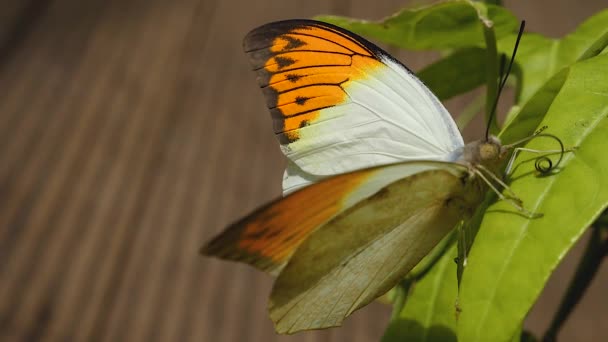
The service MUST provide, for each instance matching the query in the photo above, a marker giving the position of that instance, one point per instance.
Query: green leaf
(455, 74)
(532, 61)
(444, 25)
(531, 114)
(540, 58)
(513, 256)
(429, 313)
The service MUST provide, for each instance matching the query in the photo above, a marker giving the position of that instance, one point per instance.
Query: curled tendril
(544, 164)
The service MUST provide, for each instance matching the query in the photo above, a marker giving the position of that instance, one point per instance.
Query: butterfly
(377, 174)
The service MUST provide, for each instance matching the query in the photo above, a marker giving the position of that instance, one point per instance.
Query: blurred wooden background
(131, 131)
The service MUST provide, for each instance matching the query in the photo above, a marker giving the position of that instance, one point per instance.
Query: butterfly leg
(515, 202)
(511, 193)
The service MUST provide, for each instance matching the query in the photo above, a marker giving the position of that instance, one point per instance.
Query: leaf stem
(596, 250)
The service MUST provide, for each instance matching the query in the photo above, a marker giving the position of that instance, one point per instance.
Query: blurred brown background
(131, 131)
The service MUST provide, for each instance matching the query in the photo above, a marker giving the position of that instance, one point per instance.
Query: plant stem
(400, 296)
(403, 289)
(469, 112)
(491, 72)
(597, 249)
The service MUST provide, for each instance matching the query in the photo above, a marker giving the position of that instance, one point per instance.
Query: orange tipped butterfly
(377, 173)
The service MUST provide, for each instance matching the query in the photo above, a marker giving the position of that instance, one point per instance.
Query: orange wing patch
(267, 238)
(303, 68)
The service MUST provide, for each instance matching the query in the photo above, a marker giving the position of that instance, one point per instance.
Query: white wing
(340, 103)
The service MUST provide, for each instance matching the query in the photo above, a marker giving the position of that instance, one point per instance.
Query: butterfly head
(491, 150)
(489, 153)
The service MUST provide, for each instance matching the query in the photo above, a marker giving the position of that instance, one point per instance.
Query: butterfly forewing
(339, 103)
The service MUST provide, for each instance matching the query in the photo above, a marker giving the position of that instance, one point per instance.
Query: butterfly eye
(489, 151)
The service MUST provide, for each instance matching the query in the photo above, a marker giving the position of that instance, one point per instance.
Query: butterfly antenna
(503, 80)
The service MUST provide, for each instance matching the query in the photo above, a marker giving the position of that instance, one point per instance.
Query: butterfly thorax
(490, 153)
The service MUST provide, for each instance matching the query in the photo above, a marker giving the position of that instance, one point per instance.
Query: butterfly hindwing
(339, 103)
(268, 237)
(365, 250)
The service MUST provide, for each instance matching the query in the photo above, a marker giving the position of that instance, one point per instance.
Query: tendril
(544, 164)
